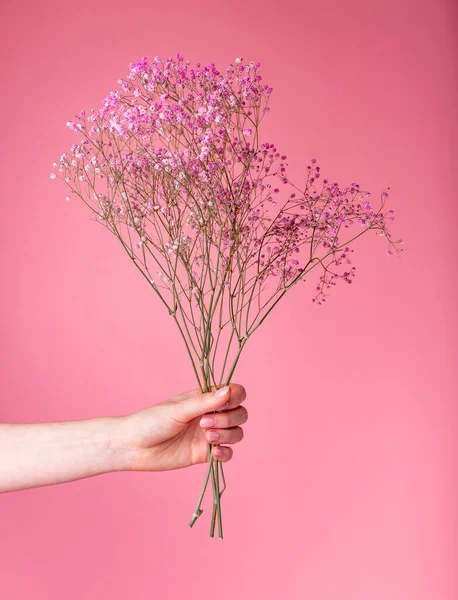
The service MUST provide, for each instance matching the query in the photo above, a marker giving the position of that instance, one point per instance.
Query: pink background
(345, 485)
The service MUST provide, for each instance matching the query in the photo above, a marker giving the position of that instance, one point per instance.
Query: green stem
(216, 505)
(220, 518)
(199, 510)
(213, 471)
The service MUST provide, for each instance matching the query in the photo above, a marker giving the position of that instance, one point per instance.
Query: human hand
(175, 433)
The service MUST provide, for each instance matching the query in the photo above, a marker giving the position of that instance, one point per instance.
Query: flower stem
(213, 471)
(220, 518)
(199, 510)
(216, 504)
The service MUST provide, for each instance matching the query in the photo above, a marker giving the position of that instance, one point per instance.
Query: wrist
(121, 453)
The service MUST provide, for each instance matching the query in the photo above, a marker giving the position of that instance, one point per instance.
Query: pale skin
(169, 435)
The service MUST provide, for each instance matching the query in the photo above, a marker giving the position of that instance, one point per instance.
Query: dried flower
(174, 171)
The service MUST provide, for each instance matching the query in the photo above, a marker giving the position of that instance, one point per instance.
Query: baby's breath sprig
(172, 164)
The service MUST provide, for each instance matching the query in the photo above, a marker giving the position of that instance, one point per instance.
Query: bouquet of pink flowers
(173, 165)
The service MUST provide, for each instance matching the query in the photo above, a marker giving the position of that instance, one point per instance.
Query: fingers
(193, 404)
(237, 396)
(224, 436)
(224, 428)
(223, 420)
(222, 453)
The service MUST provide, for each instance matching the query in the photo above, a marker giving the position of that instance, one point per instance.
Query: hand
(175, 433)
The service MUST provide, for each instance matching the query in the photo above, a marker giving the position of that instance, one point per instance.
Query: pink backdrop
(345, 484)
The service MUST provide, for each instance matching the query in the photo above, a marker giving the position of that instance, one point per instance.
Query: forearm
(41, 454)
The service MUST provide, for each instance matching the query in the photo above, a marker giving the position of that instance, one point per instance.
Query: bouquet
(174, 166)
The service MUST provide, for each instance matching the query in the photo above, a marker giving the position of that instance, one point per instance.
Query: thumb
(198, 404)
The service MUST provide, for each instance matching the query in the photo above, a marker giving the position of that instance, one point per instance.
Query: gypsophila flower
(173, 164)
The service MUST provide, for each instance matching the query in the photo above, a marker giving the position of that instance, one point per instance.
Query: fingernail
(222, 392)
(223, 407)
(213, 436)
(207, 422)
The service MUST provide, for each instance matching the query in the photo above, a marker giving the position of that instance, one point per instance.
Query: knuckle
(233, 418)
(244, 414)
(242, 392)
(239, 391)
(234, 435)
